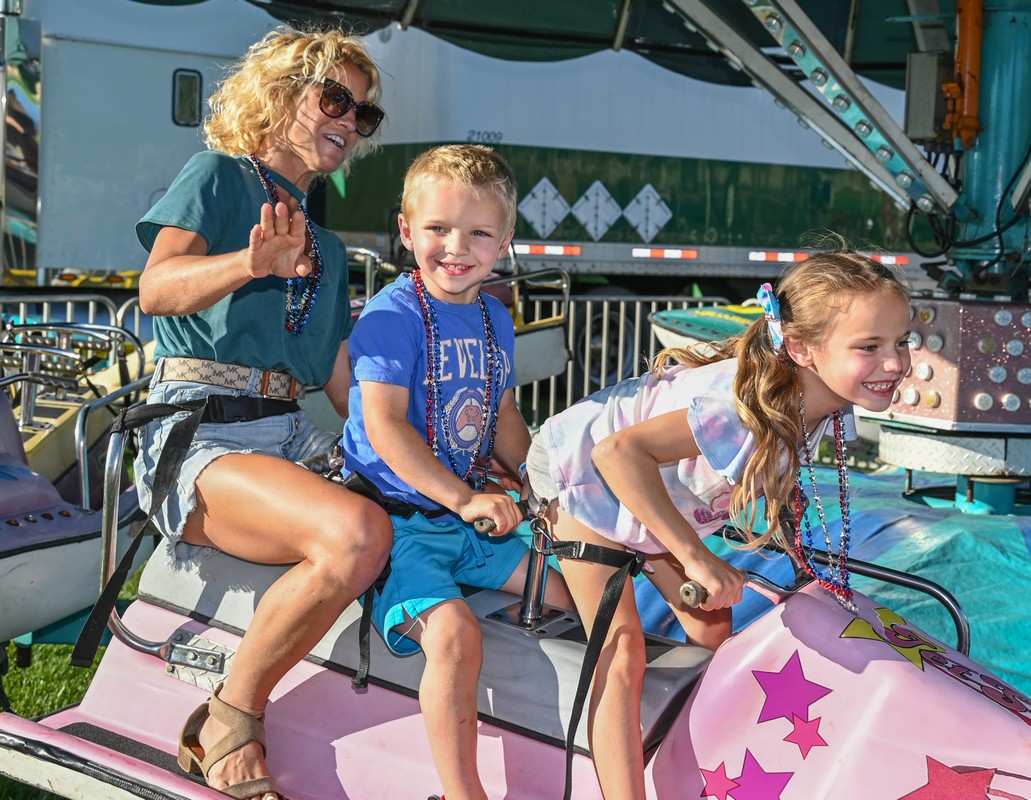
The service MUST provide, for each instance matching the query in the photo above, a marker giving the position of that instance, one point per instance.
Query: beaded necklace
(836, 580)
(301, 293)
(476, 473)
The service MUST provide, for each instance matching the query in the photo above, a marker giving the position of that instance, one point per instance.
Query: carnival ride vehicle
(813, 699)
(50, 510)
(810, 699)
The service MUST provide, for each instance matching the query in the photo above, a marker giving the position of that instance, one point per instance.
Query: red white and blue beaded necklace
(301, 293)
(836, 580)
(476, 473)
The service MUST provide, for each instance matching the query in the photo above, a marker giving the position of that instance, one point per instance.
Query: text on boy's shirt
(466, 358)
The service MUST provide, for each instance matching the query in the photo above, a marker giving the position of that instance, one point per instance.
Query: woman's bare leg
(270, 510)
(706, 628)
(614, 712)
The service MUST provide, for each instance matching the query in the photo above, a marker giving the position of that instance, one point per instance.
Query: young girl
(656, 463)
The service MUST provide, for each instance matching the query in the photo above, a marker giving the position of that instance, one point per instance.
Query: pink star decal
(788, 693)
(717, 784)
(943, 781)
(805, 734)
(757, 784)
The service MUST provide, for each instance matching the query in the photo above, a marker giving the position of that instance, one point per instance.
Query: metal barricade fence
(66, 307)
(608, 336)
(609, 339)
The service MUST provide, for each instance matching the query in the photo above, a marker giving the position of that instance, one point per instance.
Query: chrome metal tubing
(81, 445)
(904, 579)
(109, 514)
(131, 640)
(897, 578)
(536, 570)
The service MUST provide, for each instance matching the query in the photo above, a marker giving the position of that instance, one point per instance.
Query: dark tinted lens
(367, 118)
(336, 100)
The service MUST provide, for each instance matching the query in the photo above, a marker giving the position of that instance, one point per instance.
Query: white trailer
(630, 175)
(103, 101)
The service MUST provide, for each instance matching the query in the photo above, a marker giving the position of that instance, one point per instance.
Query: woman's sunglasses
(337, 100)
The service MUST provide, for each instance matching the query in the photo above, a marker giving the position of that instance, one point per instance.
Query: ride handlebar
(486, 524)
(693, 594)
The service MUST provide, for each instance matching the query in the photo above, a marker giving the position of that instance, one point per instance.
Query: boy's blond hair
(256, 97)
(471, 165)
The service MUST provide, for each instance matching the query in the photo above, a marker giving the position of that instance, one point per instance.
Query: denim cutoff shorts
(291, 436)
(538, 470)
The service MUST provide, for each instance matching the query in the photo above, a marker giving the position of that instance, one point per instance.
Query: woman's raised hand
(277, 244)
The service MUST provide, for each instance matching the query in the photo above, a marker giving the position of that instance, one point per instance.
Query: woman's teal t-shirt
(220, 197)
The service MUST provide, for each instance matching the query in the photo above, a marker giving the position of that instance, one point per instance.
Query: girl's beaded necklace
(476, 473)
(836, 579)
(301, 293)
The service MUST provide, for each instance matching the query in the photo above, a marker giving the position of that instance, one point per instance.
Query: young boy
(430, 406)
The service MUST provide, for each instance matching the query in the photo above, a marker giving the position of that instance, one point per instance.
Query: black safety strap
(359, 484)
(627, 564)
(169, 464)
(361, 677)
(213, 408)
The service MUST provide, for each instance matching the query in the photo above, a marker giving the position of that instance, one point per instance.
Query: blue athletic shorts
(428, 561)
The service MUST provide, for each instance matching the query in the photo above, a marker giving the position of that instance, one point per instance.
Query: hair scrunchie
(768, 301)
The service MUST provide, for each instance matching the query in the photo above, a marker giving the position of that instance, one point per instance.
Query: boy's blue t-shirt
(220, 197)
(388, 345)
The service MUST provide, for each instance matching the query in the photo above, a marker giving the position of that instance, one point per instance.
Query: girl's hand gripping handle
(693, 594)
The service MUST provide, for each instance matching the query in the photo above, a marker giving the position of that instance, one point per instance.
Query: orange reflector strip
(664, 252)
(547, 249)
(779, 256)
(899, 261)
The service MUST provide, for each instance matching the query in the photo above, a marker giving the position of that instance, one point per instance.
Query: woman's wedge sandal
(244, 729)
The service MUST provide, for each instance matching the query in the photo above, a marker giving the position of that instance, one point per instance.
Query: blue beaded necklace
(836, 580)
(301, 293)
(476, 473)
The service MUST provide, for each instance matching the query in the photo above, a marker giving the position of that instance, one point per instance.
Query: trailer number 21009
(484, 137)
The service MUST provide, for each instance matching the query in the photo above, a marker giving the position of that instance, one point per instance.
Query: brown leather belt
(270, 383)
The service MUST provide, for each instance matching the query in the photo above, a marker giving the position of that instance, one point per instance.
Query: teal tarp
(983, 560)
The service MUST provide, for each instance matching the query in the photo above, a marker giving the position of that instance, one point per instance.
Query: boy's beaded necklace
(301, 293)
(475, 475)
(836, 580)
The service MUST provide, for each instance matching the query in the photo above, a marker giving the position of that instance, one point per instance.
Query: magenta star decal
(717, 784)
(788, 693)
(806, 734)
(757, 784)
(943, 781)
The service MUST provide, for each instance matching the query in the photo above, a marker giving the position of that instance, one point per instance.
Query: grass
(48, 684)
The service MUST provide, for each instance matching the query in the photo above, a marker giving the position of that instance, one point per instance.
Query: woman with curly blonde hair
(251, 305)
(654, 464)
